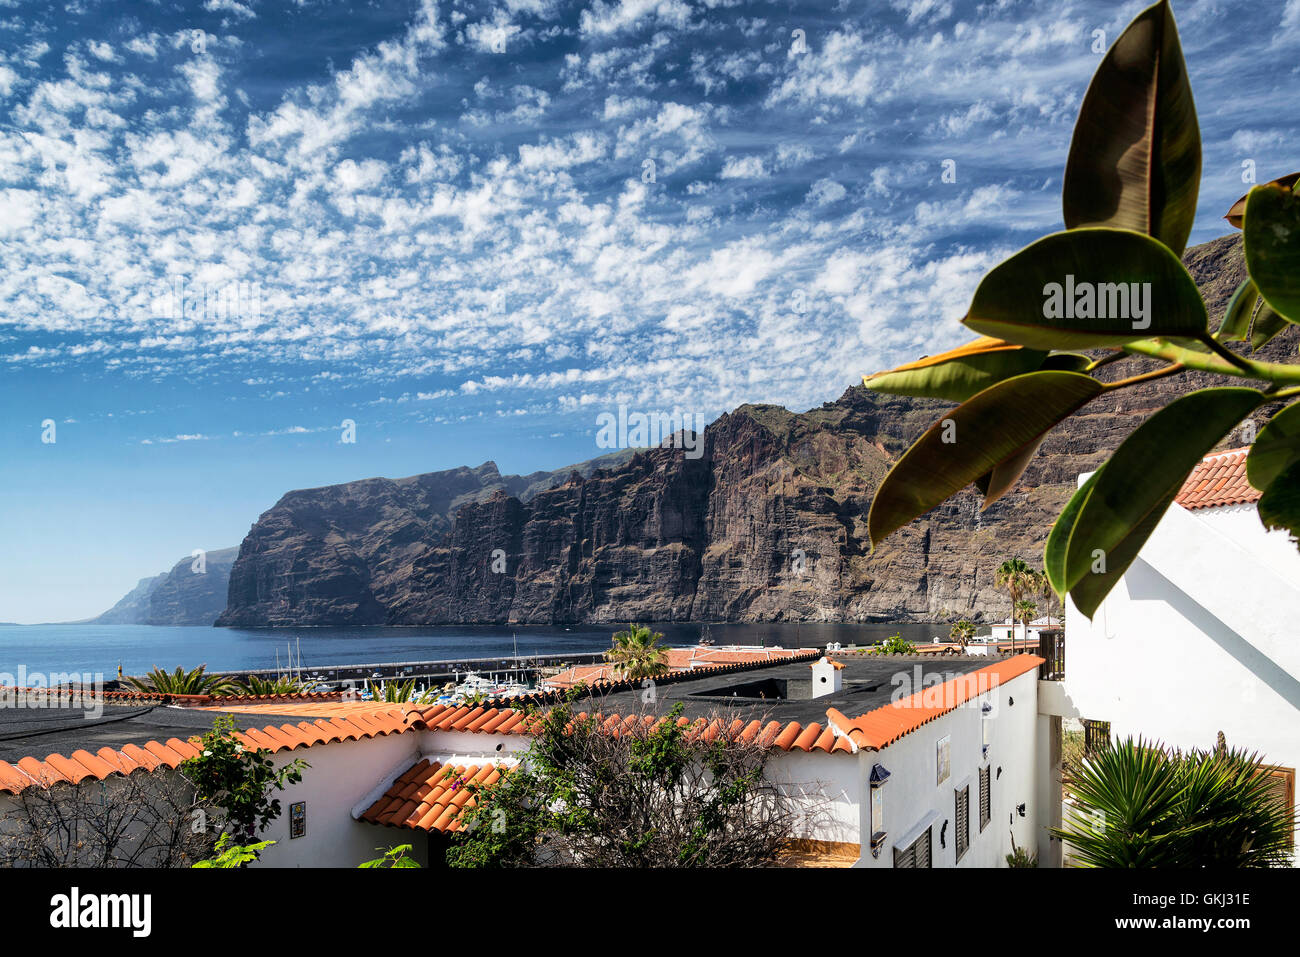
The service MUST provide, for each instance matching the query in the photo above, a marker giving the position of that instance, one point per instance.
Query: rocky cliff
(188, 594)
(769, 524)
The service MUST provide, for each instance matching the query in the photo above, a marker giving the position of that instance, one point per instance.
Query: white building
(1199, 636)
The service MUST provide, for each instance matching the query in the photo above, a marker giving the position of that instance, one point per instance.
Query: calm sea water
(100, 648)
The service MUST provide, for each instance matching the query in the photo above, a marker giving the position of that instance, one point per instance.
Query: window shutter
(985, 812)
(962, 815)
(916, 854)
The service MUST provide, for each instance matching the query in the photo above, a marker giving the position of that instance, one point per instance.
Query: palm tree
(180, 681)
(1026, 609)
(636, 653)
(1018, 579)
(1138, 804)
(1047, 593)
(255, 685)
(962, 632)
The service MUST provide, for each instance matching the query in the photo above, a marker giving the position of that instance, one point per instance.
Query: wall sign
(943, 759)
(297, 819)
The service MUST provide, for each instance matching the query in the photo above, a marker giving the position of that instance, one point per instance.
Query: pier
(522, 668)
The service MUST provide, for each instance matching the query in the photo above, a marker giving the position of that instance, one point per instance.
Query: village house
(913, 761)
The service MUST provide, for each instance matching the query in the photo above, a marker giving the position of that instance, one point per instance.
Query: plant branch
(1201, 362)
(1174, 369)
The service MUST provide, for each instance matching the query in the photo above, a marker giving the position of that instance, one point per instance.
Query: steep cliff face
(769, 524)
(181, 596)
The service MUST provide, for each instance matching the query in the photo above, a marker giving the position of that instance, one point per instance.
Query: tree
(239, 780)
(636, 653)
(1026, 610)
(283, 684)
(145, 819)
(181, 681)
(657, 794)
(1129, 201)
(1139, 804)
(962, 632)
(1018, 579)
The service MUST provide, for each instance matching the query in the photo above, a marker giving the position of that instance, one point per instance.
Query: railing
(1051, 646)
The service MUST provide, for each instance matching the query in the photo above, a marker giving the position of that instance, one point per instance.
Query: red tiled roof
(787, 737)
(431, 796)
(694, 660)
(131, 758)
(883, 726)
(1219, 479)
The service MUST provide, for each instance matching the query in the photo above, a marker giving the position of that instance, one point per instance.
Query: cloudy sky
(227, 228)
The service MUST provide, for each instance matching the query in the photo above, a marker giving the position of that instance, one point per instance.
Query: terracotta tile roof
(79, 765)
(883, 726)
(791, 736)
(432, 796)
(1219, 479)
(693, 660)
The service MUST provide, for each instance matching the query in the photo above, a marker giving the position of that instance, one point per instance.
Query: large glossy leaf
(1272, 239)
(1279, 506)
(1237, 213)
(1085, 288)
(1236, 318)
(1058, 539)
(1135, 159)
(1265, 326)
(985, 431)
(1134, 488)
(1002, 479)
(958, 373)
(1276, 448)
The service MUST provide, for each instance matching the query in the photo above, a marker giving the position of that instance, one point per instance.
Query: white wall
(814, 777)
(1198, 637)
(912, 795)
(340, 776)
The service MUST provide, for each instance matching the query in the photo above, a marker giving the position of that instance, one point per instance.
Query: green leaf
(1067, 361)
(1003, 477)
(1059, 538)
(1236, 318)
(1237, 213)
(1272, 238)
(1276, 448)
(1135, 159)
(1134, 488)
(1091, 590)
(1267, 324)
(959, 373)
(1279, 506)
(1075, 289)
(985, 431)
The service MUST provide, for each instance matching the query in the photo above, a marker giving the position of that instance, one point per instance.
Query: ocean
(91, 649)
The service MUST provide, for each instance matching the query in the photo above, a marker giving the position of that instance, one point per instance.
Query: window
(916, 854)
(962, 817)
(985, 812)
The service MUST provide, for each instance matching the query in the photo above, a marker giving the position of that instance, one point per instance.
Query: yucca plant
(395, 692)
(1113, 281)
(636, 653)
(181, 681)
(1138, 804)
(282, 684)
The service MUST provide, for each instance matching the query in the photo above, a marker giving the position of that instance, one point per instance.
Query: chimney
(826, 677)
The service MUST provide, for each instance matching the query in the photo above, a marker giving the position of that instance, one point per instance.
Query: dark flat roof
(869, 682)
(38, 732)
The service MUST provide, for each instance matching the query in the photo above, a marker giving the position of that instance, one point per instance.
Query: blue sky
(472, 227)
